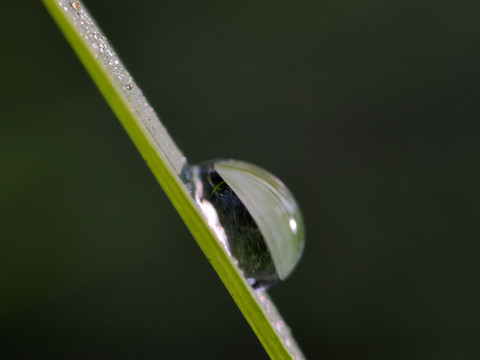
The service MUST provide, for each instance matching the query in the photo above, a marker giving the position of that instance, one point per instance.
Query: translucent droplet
(254, 215)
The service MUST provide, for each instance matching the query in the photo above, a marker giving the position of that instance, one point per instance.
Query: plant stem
(166, 162)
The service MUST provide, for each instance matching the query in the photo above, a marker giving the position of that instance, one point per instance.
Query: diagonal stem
(166, 162)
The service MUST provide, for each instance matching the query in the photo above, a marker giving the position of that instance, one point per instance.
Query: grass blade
(166, 161)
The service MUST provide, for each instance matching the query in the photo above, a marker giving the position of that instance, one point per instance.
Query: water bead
(254, 215)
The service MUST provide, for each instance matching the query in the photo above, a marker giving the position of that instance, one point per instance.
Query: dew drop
(254, 215)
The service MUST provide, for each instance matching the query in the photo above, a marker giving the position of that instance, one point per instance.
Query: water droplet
(254, 215)
(75, 5)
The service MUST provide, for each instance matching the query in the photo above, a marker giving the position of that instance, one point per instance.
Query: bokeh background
(368, 110)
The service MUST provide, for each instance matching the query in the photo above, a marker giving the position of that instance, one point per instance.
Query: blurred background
(369, 111)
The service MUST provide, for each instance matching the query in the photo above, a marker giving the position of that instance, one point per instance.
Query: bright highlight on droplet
(293, 225)
(260, 219)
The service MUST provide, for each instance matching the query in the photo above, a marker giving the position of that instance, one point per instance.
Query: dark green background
(368, 110)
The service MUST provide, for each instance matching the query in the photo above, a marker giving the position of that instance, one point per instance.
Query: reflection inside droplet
(253, 215)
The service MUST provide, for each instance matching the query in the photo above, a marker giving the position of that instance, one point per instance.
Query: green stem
(166, 161)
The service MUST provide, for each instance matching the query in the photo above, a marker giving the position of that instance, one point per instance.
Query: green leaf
(166, 161)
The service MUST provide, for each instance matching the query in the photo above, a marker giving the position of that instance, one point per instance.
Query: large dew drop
(254, 215)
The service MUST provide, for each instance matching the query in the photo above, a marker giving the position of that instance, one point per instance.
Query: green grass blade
(166, 161)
